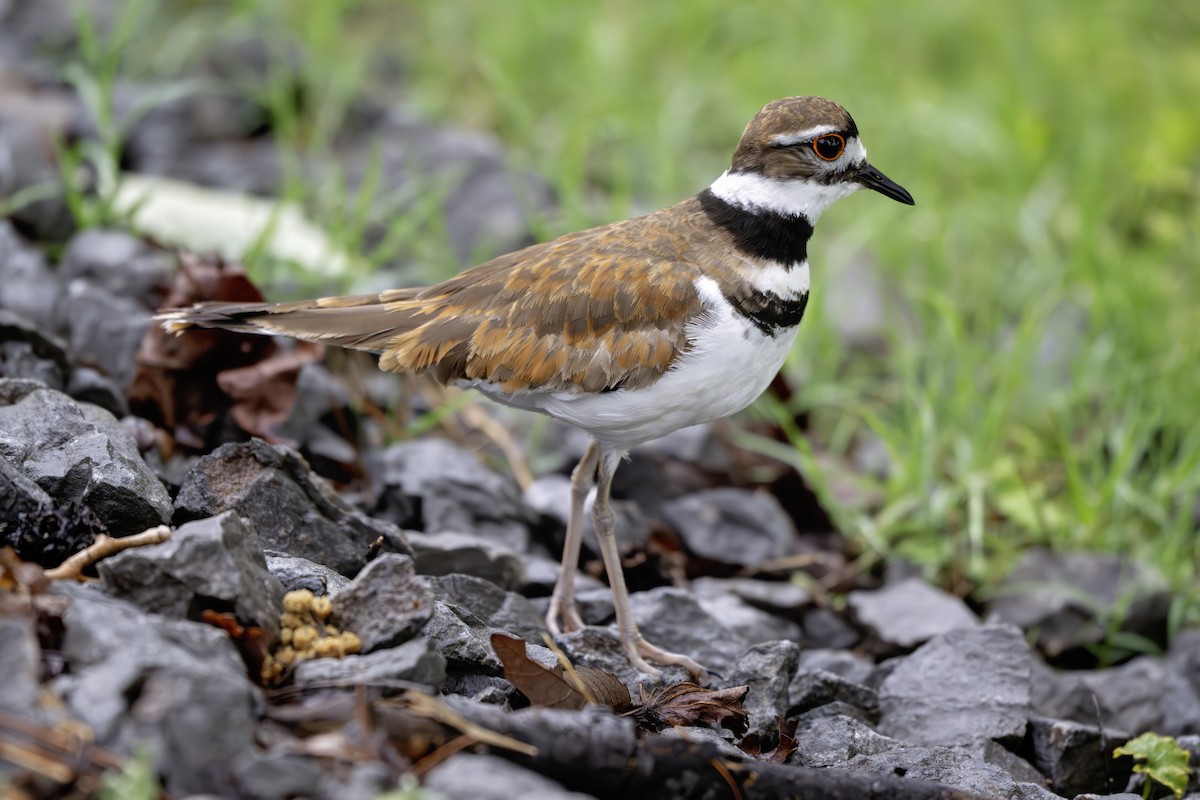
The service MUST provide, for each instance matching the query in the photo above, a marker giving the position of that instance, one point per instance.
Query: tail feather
(361, 322)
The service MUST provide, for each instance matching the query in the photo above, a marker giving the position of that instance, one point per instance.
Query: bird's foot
(568, 612)
(641, 652)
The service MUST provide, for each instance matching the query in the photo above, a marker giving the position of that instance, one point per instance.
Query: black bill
(874, 179)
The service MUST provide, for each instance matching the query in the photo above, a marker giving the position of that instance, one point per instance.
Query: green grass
(1054, 152)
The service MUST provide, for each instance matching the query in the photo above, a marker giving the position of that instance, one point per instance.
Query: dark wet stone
(385, 604)
(674, 620)
(28, 287)
(448, 553)
(845, 743)
(177, 687)
(461, 638)
(1181, 694)
(119, 262)
(20, 664)
(1077, 758)
(550, 496)
(79, 454)
(29, 521)
(297, 573)
(28, 352)
(25, 163)
(852, 666)
(824, 628)
(416, 660)
(1130, 697)
(88, 385)
(732, 526)
(478, 599)
(212, 563)
(449, 490)
(906, 613)
(960, 688)
(490, 689)
(773, 596)
(292, 510)
(752, 624)
(812, 688)
(767, 669)
(488, 777)
(1067, 599)
(102, 328)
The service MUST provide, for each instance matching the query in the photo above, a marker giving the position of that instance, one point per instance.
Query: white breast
(730, 363)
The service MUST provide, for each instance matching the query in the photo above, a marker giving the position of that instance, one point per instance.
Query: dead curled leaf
(555, 687)
(752, 744)
(687, 703)
(186, 384)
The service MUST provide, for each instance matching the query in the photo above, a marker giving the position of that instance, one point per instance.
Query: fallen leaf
(252, 643)
(554, 687)
(752, 744)
(687, 703)
(187, 384)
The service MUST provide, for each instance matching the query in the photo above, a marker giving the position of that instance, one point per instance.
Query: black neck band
(759, 233)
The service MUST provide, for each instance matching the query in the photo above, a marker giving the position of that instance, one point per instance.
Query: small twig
(103, 547)
(439, 755)
(434, 709)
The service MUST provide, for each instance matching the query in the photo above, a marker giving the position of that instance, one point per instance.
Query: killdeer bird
(628, 331)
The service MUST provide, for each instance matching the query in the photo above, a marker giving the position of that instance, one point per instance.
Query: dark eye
(829, 146)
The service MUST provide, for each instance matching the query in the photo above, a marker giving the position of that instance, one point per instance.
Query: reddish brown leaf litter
(187, 384)
(557, 687)
(687, 703)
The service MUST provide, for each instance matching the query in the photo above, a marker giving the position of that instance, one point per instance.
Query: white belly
(729, 364)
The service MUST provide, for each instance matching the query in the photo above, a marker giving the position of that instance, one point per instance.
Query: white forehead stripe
(786, 139)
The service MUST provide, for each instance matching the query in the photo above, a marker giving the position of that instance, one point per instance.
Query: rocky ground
(276, 477)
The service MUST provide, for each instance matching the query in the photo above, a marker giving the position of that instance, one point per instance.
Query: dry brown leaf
(253, 643)
(186, 384)
(752, 744)
(554, 687)
(687, 703)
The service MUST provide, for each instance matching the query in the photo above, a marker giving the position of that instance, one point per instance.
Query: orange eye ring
(829, 146)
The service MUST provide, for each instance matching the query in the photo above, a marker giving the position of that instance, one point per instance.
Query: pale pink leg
(562, 601)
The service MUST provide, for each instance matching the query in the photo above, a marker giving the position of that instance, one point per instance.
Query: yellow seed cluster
(305, 634)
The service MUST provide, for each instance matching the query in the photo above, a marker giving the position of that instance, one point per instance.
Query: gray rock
(468, 776)
(541, 573)
(774, 596)
(292, 510)
(1078, 758)
(80, 454)
(732, 526)
(844, 743)
(461, 638)
(960, 688)
(28, 287)
(385, 604)
(476, 599)
(1117, 796)
(906, 613)
(550, 496)
(88, 385)
(1067, 599)
(674, 620)
(176, 687)
(102, 328)
(824, 628)
(453, 492)
(210, 563)
(25, 163)
(1136, 696)
(416, 660)
(767, 669)
(119, 262)
(812, 688)
(30, 523)
(28, 352)
(20, 664)
(276, 775)
(852, 666)
(752, 624)
(1181, 694)
(447, 553)
(299, 573)
(600, 648)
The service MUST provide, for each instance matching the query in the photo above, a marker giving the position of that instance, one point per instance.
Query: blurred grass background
(1037, 380)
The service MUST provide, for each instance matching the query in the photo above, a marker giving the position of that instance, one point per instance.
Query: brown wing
(590, 311)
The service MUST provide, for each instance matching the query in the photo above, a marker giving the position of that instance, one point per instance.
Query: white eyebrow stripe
(784, 139)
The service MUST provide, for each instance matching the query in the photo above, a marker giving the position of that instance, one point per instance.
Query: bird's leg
(562, 601)
(637, 648)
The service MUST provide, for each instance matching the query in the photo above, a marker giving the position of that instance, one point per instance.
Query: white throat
(796, 197)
